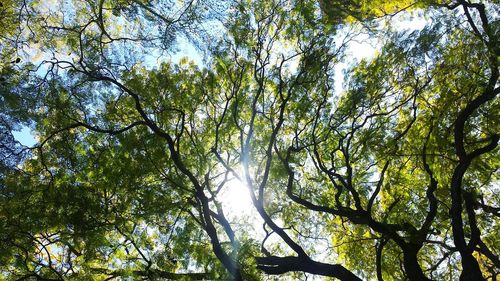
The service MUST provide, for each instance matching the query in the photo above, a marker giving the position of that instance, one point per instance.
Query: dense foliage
(147, 114)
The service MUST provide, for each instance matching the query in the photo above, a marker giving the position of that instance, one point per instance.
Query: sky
(25, 137)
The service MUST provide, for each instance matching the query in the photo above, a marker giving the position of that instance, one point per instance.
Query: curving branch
(279, 265)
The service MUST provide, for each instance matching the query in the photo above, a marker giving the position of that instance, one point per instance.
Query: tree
(393, 177)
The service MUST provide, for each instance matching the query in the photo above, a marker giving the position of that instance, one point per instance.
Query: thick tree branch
(280, 265)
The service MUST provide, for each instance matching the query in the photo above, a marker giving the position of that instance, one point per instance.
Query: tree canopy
(249, 140)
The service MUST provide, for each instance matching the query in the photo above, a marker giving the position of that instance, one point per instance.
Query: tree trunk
(411, 265)
(471, 270)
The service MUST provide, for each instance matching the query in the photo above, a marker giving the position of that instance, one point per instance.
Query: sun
(235, 199)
